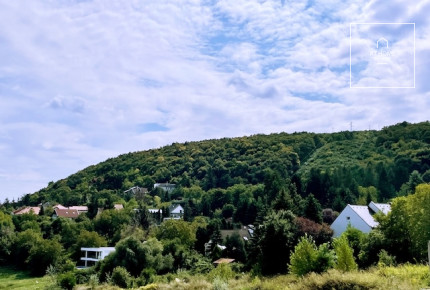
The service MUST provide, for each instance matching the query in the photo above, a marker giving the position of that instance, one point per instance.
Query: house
(66, 213)
(80, 208)
(169, 187)
(118, 206)
(93, 255)
(28, 209)
(156, 214)
(176, 211)
(59, 206)
(223, 261)
(359, 217)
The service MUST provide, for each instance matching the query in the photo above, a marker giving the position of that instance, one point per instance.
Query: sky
(83, 81)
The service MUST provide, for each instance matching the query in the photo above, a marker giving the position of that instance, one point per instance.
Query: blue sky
(82, 81)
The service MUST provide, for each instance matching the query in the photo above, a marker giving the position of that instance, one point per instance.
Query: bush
(146, 277)
(344, 254)
(386, 259)
(67, 280)
(121, 277)
(222, 271)
(308, 258)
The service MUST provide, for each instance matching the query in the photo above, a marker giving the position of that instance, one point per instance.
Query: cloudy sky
(82, 81)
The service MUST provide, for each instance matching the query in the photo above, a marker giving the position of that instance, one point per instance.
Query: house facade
(359, 217)
(169, 187)
(176, 211)
(93, 255)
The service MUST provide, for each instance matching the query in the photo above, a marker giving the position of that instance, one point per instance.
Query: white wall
(341, 223)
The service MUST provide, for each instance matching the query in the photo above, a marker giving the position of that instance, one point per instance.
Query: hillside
(331, 166)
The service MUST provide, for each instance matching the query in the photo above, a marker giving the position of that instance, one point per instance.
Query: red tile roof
(67, 213)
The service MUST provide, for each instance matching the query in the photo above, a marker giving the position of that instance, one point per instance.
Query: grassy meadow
(403, 277)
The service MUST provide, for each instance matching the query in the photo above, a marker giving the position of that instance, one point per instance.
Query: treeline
(331, 166)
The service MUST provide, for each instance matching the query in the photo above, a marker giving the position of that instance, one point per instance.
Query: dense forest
(289, 186)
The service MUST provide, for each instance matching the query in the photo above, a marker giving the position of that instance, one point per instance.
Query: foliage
(222, 271)
(177, 229)
(42, 254)
(407, 227)
(321, 233)
(67, 280)
(344, 255)
(121, 277)
(307, 257)
(272, 242)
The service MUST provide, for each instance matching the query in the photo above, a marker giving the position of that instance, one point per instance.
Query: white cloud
(77, 78)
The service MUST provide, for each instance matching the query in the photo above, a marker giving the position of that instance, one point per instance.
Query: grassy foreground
(403, 277)
(13, 279)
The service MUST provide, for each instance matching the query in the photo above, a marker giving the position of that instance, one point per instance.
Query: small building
(79, 208)
(169, 187)
(176, 211)
(93, 255)
(28, 209)
(118, 206)
(65, 213)
(359, 217)
(223, 261)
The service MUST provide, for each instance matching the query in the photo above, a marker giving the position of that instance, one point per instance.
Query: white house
(176, 211)
(359, 217)
(93, 255)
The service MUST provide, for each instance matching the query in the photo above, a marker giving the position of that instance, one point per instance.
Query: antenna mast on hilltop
(350, 126)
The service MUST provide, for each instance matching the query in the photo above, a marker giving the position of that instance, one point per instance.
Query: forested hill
(338, 168)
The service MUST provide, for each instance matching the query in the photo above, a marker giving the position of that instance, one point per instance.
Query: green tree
(313, 210)
(6, 236)
(344, 255)
(272, 243)
(42, 254)
(180, 229)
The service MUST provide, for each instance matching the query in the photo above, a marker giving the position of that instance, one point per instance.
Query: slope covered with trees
(286, 188)
(337, 168)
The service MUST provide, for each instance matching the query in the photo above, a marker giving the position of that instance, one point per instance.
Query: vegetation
(283, 188)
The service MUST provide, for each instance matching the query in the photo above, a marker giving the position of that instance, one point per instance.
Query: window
(348, 218)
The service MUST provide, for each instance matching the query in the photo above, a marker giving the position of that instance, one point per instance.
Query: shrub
(121, 277)
(222, 271)
(344, 254)
(67, 280)
(308, 258)
(386, 259)
(219, 284)
(146, 276)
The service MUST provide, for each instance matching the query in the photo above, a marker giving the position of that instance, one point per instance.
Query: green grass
(16, 279)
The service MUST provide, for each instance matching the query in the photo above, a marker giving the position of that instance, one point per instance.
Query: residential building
(93, 255)
(79, 208)
(66, 213)
(169, 187)
(176, 211)
(28, 209)
(359, 217)
(223, 261)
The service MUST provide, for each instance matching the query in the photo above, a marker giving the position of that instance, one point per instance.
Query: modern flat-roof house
(169, 187)
(359, 217)
(93, 255)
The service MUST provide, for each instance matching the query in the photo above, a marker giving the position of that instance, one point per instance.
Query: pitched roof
(28, 209)
(67, 213)
(363, 212)
(174, 207)
(377, 207)
(59, 206)
(224, 261)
